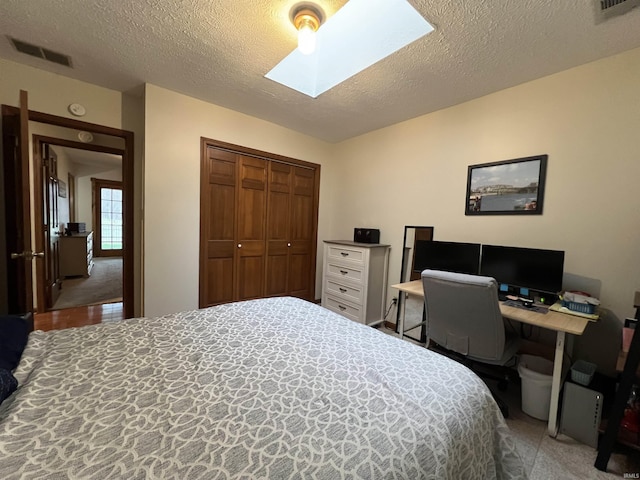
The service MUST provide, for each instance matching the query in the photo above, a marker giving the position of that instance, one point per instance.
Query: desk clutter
(579, 302)
(559, 307)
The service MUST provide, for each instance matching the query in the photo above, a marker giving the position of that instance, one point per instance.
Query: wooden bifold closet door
(258, 225)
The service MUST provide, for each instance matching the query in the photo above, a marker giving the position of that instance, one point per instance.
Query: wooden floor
(78, 316)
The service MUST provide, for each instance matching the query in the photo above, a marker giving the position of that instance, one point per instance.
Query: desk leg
(404, 310)
(555, 385)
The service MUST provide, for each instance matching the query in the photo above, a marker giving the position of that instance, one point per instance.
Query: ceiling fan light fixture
(355, 37)
(307, 20)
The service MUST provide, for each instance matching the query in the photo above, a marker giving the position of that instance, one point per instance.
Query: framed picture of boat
(509, 187)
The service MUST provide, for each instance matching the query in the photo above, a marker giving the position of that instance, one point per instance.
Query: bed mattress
(272, 388)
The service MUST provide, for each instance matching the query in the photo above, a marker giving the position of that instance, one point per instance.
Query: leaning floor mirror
(412, 307)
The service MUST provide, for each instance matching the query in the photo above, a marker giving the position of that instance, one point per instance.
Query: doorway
(126, 153)
(76, 227)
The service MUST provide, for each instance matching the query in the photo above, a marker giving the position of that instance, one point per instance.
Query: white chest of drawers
(76, 255)
(354, 282)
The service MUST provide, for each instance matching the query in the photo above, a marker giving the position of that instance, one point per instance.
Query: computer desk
(561, 323)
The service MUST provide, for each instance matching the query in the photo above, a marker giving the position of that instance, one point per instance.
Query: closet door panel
(251, 236)
(222, 213)
(250, 274)
(219, 281)
(252, 199)
(299, 280)
(278, 244)
(302, 233)
(219, 212)
(276, 273)
(278, 217)
(279, 177)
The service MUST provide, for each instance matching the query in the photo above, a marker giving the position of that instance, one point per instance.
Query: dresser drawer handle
(344, 254)
(343, 290)
(344, 272)
(342, 308)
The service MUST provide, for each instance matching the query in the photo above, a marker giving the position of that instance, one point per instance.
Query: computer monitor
(524, 268)
(449, 256)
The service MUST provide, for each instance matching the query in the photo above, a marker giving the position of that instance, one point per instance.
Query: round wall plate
(85, 137)
(77, 109)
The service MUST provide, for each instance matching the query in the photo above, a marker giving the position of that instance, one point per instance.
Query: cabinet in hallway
(258, 225)
(76, 254)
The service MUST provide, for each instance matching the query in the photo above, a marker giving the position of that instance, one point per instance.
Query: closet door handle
(288, 244)
(239, 245)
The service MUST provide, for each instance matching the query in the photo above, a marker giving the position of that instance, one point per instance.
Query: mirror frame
(427, 234)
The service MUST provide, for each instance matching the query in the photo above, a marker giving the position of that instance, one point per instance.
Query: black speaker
(366, 235)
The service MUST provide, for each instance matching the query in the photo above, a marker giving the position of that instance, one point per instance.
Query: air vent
(605, 9)
(40, 52)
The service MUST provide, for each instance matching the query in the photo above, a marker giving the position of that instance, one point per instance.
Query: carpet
(103, 286)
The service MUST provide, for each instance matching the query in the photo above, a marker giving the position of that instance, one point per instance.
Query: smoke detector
(85, 137)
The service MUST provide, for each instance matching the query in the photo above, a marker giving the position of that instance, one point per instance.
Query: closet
(258, 225)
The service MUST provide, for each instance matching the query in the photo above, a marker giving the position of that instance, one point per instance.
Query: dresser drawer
(351, 273)
(353, 294)
(344, 309)
(340, 253)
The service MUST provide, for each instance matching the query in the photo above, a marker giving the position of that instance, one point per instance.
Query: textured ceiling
(219, 51)
(94, 159)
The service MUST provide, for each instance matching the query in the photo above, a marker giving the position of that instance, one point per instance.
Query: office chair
(463, 317)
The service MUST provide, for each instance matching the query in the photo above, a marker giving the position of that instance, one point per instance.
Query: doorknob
(28, 255)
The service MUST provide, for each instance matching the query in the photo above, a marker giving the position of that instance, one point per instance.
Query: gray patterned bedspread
(274, 388)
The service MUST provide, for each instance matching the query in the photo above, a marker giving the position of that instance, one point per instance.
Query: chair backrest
(463, 314)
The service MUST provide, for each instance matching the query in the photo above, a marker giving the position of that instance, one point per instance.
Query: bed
(271, 388)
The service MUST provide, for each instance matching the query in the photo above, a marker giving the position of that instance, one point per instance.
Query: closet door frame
(207, 143)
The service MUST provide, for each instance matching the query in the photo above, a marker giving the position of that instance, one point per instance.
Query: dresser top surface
(356, 244)
(77, 235)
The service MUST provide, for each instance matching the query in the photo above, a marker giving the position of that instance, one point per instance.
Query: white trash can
(536, 374)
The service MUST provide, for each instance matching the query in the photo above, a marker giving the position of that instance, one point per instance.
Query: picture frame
(509, 187)
(62, 189)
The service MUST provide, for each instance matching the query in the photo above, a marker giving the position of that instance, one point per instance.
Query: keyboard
(518, 304)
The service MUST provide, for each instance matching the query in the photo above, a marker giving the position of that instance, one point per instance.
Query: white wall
(51, 93)
(174, 124)
(586, 119)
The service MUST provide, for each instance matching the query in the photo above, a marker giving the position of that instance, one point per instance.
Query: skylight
(361, 33)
